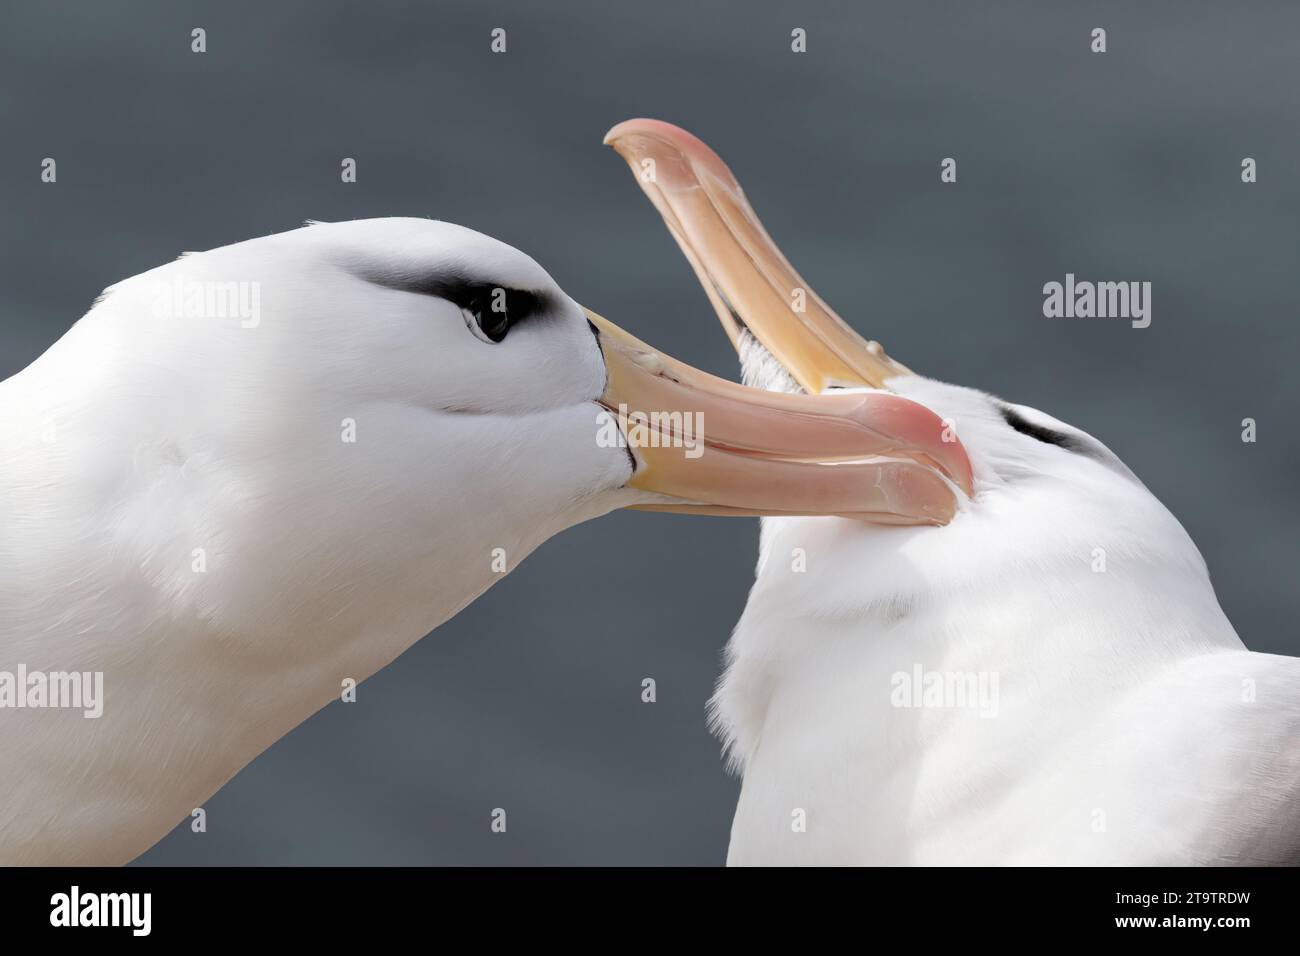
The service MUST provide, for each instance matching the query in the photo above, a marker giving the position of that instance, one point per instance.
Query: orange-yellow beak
(873, 455)
(723, 448)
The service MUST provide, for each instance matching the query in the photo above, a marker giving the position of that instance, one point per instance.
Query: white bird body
(1127, 723)
(1047, 678)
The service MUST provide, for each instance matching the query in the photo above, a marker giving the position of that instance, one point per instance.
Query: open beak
(721, 448)
(898, 448)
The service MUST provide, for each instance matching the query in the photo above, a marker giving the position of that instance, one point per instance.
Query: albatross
(255, 474)
(1047, 678)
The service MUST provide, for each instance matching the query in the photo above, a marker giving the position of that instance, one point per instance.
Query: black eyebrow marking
(463, 291)
(1047, 435)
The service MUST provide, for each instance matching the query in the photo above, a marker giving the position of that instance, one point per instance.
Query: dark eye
(490, 310)
(488, 314)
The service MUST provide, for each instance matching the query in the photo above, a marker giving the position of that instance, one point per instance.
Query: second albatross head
(1045, 492)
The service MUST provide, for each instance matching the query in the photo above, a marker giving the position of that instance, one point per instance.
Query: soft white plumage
(1046, 679)
(1131, 725)
(137, 439)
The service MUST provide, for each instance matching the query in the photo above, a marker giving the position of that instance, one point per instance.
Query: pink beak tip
(690, 147)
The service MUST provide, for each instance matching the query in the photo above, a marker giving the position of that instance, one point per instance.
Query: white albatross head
(371, 420)
(1046, 496)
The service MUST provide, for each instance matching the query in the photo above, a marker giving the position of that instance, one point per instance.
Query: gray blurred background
(1117, 166)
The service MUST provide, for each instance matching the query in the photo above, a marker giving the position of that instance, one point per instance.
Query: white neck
(223, 597)
(824, 713)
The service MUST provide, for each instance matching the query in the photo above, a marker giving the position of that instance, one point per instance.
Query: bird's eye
(488, 315)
